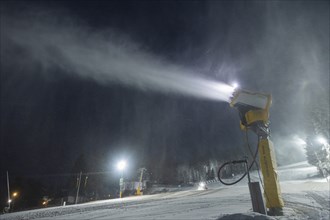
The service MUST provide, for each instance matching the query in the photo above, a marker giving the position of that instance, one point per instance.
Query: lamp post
(9, 200)
(77, 196)
(121, 165)
(13, 200)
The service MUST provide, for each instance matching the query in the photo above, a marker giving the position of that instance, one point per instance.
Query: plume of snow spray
(101, 57)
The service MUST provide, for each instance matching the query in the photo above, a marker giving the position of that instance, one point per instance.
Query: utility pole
(77, 196)
(138, 191)
(9, 201)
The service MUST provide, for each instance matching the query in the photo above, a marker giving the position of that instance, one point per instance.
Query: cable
(233, 162)
(230, 162)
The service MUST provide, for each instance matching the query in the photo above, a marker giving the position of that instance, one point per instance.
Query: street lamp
(15, 194)
(13, 199)
(121, 165)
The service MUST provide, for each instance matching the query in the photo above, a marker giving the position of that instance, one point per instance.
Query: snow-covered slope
(305, 198)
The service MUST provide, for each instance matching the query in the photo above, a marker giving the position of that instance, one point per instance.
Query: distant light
(202, 186)
(9, 201)
(121, 165)
(321, 140)
(15, 194)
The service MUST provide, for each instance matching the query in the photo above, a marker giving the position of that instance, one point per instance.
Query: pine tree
(318, 154)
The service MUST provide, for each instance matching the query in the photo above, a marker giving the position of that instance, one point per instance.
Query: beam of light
(299, 141)
(290, 148)
(100, 57)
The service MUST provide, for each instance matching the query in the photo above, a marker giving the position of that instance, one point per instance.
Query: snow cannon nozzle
(253, 108)
(233, 96)
(249, 99)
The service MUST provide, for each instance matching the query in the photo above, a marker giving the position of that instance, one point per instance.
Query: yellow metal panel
(256, 115)
(268, 168)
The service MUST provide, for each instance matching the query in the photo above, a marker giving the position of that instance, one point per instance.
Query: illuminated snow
(305, 198)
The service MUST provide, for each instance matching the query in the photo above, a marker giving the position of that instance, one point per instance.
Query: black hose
(234, 162)
(231, 162)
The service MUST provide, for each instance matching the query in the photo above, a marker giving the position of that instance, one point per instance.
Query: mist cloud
(104, 56)
(275, 47)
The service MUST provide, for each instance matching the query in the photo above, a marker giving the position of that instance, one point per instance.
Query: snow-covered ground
(305, 198)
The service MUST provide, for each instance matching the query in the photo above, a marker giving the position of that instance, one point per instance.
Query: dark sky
(57, 103)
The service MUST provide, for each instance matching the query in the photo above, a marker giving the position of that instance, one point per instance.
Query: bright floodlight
(321, 140)
(235, 85)
(121, 165)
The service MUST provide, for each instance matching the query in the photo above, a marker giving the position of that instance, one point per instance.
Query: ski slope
(305, 198)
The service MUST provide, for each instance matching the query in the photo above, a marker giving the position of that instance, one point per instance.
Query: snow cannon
(253, 108)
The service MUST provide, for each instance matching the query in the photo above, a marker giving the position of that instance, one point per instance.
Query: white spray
(103, 58)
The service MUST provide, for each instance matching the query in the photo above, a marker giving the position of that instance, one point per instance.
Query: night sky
(58, 100)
